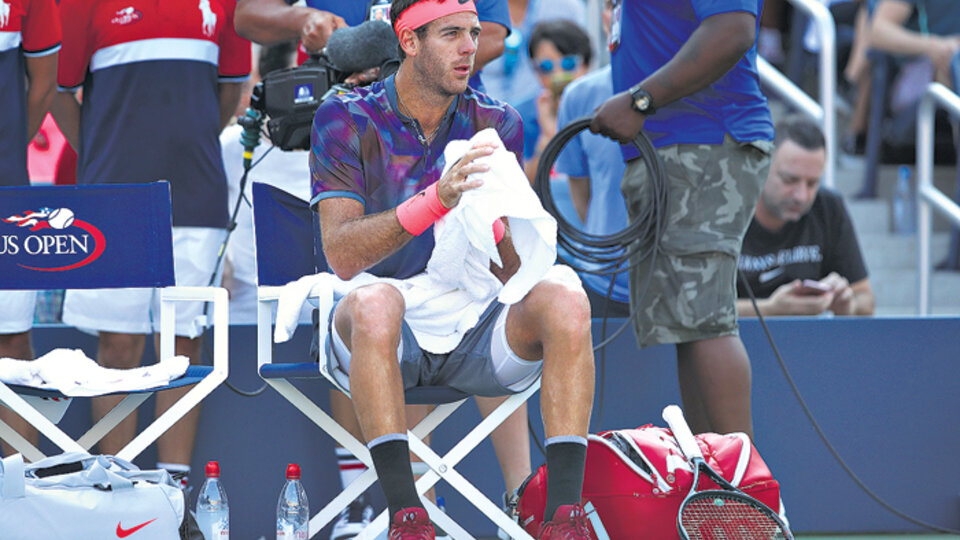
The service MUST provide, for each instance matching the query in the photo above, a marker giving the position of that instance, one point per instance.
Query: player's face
(793, 182)
(447, 52)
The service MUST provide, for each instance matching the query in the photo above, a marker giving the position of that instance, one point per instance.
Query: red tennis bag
(637, 478)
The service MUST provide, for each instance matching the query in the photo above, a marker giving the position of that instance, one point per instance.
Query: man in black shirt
(800, 254)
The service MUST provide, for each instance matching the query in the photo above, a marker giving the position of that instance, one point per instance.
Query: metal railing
(929, 197)
(825, 111)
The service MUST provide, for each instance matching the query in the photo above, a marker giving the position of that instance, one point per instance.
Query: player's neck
(417, 101)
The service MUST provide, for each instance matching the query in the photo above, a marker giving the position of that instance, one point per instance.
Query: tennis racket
(726, 513)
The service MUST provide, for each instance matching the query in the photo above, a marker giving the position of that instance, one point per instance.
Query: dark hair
(801, 130)
(566, 36)
(275, 57)
(397, 8)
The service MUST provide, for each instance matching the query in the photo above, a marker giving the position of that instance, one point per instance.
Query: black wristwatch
(642, 101)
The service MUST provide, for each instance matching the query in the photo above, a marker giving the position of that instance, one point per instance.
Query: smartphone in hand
(811, 287)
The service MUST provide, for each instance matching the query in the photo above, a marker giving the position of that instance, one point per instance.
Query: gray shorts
(713, 191)
(469, 368)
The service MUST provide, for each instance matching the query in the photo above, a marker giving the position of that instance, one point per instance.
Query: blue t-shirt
(598, 158)
(355, 12)
(652, 31)
(363, 148)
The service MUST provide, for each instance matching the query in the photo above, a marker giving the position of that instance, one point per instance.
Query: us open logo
(53, 237)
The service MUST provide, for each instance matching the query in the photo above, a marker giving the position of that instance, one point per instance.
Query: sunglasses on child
(567, 63)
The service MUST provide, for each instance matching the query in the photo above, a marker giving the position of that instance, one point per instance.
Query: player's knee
(120, 351)
(375, 312)
(563, 305)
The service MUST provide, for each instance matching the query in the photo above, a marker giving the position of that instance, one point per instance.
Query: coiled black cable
(613, 253)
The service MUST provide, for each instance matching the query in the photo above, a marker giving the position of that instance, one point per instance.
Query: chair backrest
(287, 236)
(85, 237)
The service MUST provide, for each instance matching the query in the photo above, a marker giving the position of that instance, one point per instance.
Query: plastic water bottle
(904, 204)
(213, 512)
(293, 510)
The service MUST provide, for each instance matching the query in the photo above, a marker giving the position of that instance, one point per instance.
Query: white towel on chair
(73, 374)
(446, 300)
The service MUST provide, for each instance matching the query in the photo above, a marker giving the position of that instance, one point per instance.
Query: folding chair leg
(171, 416)
(15, 440)
(333, 508)
(112, 418)
(37, 420)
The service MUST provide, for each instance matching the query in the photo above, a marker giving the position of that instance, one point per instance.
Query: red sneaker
(569, 523)
(411, 524)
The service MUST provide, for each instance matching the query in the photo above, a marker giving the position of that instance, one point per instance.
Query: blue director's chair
(110, 236)
(288, 249)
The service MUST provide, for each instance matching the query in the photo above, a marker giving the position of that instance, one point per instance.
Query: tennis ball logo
(61, 218)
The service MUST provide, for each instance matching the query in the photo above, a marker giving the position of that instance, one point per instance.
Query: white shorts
(137, 311)
(18, 310)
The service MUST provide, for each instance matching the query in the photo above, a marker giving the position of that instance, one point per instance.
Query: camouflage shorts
(713, 191)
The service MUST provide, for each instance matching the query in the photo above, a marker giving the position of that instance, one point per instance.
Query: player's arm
(272, 21)
(42, 87)
(354, 242)
(713, 49)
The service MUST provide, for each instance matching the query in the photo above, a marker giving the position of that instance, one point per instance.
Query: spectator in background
(148, 117)
(511, 77)
(560, 52)
(28, 82)
(595, 167)
(801, 231)
(930, 30)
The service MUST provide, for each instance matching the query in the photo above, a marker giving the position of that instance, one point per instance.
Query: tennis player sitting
(378, 186)
(800, 254)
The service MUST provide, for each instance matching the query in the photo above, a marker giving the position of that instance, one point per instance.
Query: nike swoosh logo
(123, 533)
(767, 276)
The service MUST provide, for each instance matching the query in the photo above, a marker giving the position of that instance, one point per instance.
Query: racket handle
(673, 416)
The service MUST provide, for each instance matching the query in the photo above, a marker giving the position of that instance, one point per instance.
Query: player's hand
(457, 180)
(317, 28)
(617, 119)
(786, 301)
(843, 297)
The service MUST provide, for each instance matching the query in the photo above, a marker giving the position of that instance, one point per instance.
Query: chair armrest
(221, 320)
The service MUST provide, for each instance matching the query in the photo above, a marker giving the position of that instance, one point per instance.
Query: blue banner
(86, 237)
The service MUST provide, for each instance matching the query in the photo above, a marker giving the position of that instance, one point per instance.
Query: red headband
(427, 11)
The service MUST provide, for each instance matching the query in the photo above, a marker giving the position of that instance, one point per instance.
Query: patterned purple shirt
(363, 148)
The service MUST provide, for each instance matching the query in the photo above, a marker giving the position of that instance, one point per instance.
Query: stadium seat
(287, 249)
(116, 236)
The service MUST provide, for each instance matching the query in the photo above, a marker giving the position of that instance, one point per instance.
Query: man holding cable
(686, 72)
(376, 165)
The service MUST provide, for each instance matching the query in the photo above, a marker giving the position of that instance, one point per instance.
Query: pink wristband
(499, 230)
(419, 212)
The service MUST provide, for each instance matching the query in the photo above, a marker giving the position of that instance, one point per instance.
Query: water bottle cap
(293, 471)
(213, 469)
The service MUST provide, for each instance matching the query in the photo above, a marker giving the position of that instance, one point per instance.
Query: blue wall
(884, 391)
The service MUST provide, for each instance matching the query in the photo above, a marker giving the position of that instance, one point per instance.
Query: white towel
(446, 300)
(464, 237)
(72, 373)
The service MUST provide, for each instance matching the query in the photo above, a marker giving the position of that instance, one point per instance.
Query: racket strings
(719, 516)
